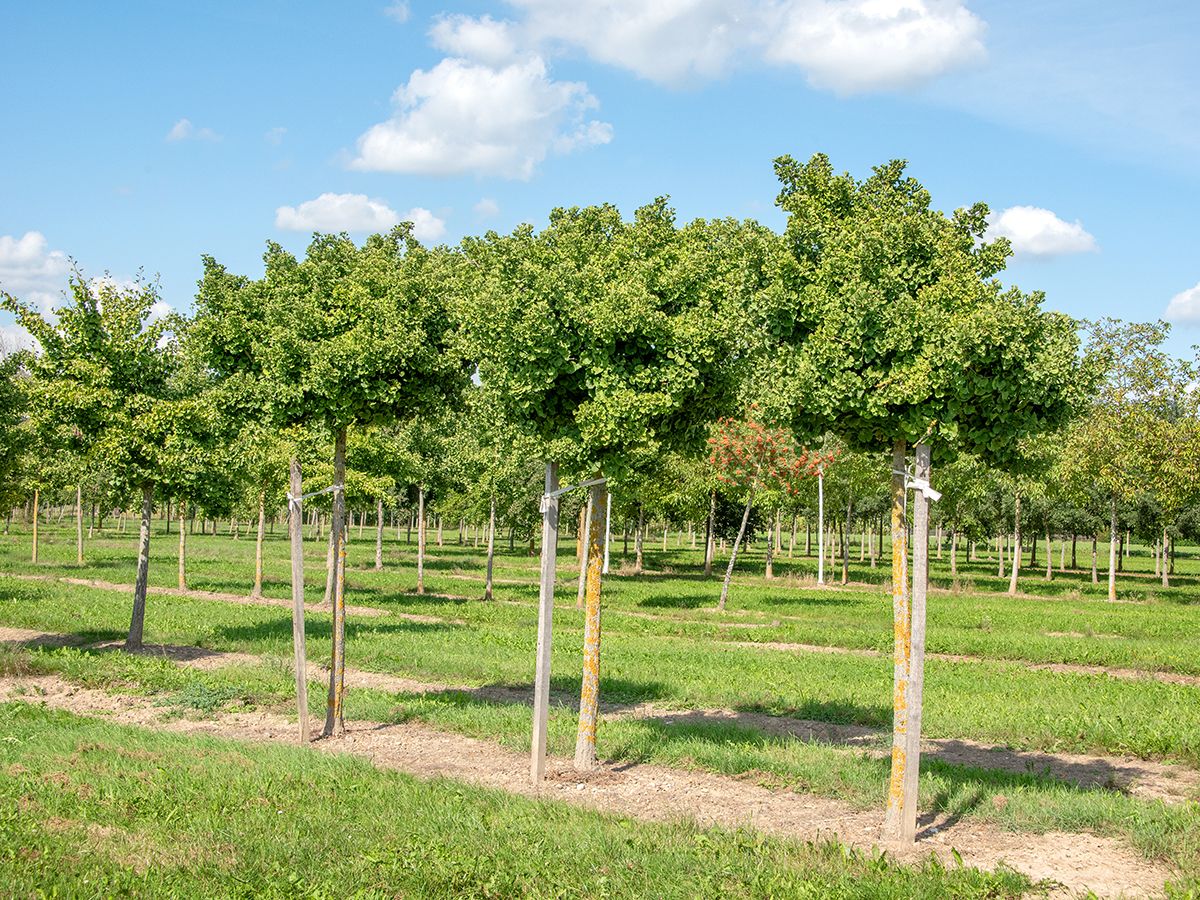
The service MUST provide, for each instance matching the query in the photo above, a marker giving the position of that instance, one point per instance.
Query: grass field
(664, 644)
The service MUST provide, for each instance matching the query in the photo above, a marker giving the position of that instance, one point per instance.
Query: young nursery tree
(899, 333)
(604, 340)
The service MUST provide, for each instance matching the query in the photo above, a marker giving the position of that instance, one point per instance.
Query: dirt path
(1075, 668)
(1148, 779)
(1076, 862)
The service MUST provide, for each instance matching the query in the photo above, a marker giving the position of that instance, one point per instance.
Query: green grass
(1024, 802)
(91, 809)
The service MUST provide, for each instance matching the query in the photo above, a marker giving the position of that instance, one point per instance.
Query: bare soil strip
(1075, 668)
(1148, 779)
(1075, 862)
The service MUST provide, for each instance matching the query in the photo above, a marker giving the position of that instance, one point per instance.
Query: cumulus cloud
(486, 208)
(337, 212)
(847, 46)
(398, 11)
(1034, 231)
(866, 45)
(27, 264)
(463, 116)
(184, 130)
(275, 135)
(484, 39)
(356, 212)
(1184, 307)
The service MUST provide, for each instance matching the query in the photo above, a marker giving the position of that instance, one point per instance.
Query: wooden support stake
(541, 684)
(296, 530)
(893, 827)
(916, 671)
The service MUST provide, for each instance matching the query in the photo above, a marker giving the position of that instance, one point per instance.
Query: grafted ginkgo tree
(605, 341)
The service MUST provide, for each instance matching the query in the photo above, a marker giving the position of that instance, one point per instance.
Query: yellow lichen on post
(902, 631)
(589, 697)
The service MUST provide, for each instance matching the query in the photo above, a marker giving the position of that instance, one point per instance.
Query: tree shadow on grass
(277, 630)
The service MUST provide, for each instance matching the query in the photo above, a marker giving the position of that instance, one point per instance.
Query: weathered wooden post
(296, 530)
(541, 684)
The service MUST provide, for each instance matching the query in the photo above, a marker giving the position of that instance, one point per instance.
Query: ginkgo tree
(348, 336)
(899, 333)
(604, 341)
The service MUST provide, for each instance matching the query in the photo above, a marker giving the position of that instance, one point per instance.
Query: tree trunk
(638, 540)
(439, 531)
(138, 620)
(296, 545)
(379, 535)
(182, 547)
(820, 525)
(258, 543)
(1033, 552)
(1049, 557)
(953, 551)
(330, 570)
(1074, 545)
(580, 533)
(1166, 581)
(1095, 572)
(792, 537)
(421, 539)
(36, 498)
(710, 537)
(334, 722)
(491, 547)
(1016, 553)
(1112, 549)
(589, 697)
(587, 553)
(79, 524)
(846, 543)
(772, 547)
(1123, 549)
(1062, 555)
(807, 536)
(733, 554)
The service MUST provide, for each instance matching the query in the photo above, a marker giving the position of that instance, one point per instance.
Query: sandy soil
(1074, 862)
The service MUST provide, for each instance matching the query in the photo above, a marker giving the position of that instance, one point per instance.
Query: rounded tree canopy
(900, 330)
(608, 341)
(347, 336)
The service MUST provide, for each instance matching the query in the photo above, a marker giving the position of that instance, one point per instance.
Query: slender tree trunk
(379, 535)
(138, 620)
(1166, 581)
(36, 497)
(734, 552)
(581, 533)
(953, 551)
(1016, 554)
(1033, 552)
(1095, 572)
(79, 524)
(1049, 557)
(589, 697)
(330, 569)
(792, 537)
(821, 525)
(258, 543)
(710, 537)
(421, 539)
(638, 539)
(1112, 549)
(587, 553)
(182, 580)
(807, 536)
(1074, 556)
(439, 531)
(1122, 550)
(334, 721)
(296, 545)
(846, 543)
(1000, 554)
(491, 547)
(1062, 555)
(772, 546)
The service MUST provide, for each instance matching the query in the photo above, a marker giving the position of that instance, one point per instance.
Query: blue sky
(144, 134)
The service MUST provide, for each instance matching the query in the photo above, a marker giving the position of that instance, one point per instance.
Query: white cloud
(426, 226)
(486, 208)
(847, 46)
(184, 130)
(1034, 231)
(483, 40)
(1184, 307)
(275, 135)
(465, 117)
(337, 212)
(14, 337)
(356, 212)
(28, 265)
(397, 11)
(867, 45)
